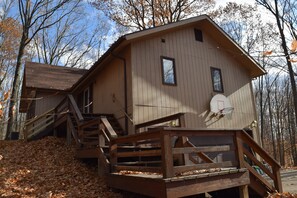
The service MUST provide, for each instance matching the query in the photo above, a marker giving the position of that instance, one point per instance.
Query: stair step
(90, 138)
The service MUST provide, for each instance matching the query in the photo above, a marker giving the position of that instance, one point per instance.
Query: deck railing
(248, 150)
(160, 151)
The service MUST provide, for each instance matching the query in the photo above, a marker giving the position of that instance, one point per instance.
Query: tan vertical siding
(110, 82)
(193, 59)
(46, 101)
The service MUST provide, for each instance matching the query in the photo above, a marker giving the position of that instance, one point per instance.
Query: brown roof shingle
(45, 76)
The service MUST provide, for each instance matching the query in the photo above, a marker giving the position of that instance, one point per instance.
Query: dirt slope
(47, 168)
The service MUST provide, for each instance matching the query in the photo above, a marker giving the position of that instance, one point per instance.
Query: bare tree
(143, 14)
(5, 7)
(70, 41)
(284, 14)
(10, 33)
(35, 15)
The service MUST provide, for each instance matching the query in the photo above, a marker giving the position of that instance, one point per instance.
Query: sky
(224, 2)
(91, 18)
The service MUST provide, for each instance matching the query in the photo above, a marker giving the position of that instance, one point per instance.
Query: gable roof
(209, 26)
(48, 78)
(51, 77)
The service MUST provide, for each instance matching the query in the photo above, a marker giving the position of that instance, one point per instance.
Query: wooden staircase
(164, 159)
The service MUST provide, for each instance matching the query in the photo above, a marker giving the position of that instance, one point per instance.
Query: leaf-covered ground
(47, 168)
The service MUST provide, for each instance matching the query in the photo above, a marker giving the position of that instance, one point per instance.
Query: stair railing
(248, 149)
(106, 134)
(74, 109)
(36, 125)
(73, 131)
(61, 109)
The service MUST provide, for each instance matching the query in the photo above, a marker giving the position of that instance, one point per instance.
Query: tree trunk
(271, 125)
(15, 89)
(278, 127)
(261, 109)
(292, 130)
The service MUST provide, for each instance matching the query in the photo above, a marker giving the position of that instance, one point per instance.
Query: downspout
(125, 91)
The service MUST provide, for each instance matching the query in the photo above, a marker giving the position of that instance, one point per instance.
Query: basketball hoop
(220, 105)
(227, 110)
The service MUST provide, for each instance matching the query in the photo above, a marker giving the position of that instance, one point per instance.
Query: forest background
(75, 33)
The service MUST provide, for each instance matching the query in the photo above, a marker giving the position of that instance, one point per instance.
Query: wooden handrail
(105, 123)
(160, 120)
(39, 117)
(275, 166)
(200, 154)
(137, 137)
(63, 102)
(39, 123)
(76, 110)
(73, 130)
(88, 123)
(256, 148)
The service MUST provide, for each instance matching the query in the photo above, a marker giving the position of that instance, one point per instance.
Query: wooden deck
(178, 156)
(174, 163)
(157, 186)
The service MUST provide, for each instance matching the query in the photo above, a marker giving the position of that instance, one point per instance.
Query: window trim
(174, 71)
(198, 35)
(212, 69)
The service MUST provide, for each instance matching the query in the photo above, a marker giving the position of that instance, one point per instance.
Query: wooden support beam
(277, 181)
(139, 153)
(108, 127)
(139, 168)
(186, 150)
(167, 157)
(181, 169)
(68, 133)
(244, 191)
(113, 156)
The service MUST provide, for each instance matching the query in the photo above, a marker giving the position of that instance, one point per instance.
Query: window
(217, 81)
(168, 71)
(85, 100)
(198, 35)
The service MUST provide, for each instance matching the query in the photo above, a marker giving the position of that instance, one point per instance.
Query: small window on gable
(198, 35)
(168, 71)
(217, 81)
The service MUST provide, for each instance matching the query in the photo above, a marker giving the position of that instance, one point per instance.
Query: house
(188, 73)
(129, 80)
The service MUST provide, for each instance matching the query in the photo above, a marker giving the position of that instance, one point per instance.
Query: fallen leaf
(267, 53)
(6, 95)
(294, 45)
(293, 60)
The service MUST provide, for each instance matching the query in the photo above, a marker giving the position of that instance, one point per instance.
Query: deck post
(244, 191)
(101, 168)
(238, 144)
(167, 157)
(68, 133)
(277, 181)
(113, 156)
(182, 120)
